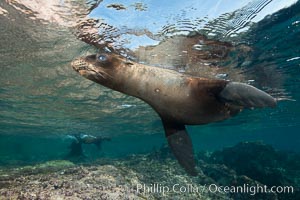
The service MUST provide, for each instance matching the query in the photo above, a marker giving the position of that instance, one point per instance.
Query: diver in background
(79, 139)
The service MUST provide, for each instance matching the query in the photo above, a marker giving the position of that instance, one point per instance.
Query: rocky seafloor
(158, 176)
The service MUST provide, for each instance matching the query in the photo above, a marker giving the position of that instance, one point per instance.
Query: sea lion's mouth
(77, 69)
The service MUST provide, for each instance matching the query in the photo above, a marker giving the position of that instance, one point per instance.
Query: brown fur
(175, 97)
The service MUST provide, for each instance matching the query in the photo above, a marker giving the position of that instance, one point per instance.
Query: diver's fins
(181, 146)
(98, 144)
(98, 141)
(245, 95)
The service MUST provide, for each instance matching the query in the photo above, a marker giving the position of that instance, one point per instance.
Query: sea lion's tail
(247, 96)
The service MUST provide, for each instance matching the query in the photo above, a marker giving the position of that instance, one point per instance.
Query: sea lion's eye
(102, 58)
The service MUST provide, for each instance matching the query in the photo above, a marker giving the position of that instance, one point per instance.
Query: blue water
(43, 99)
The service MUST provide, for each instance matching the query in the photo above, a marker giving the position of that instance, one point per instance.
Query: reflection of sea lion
(178, 99)
(79, 139)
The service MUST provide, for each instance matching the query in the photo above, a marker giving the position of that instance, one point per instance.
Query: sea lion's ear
(245, 95)
(181, 145)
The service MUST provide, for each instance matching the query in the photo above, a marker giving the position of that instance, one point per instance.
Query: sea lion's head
(98, 67)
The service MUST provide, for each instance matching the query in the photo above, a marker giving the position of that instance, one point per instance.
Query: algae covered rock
(55, 164)
(254, 159)
(153, 176)
(262, 164)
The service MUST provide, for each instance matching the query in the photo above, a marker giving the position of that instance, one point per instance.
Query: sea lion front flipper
(181, 146)
(245, 95)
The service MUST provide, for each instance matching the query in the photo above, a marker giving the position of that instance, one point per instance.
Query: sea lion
(177, 98)
(79, 139)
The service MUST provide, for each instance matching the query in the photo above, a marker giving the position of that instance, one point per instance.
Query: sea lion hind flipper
(181, 146)
(245, 95)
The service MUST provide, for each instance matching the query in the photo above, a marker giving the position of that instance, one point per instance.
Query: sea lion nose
(74, 64)
(78, 64)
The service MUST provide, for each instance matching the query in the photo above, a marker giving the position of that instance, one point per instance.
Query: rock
(261, 164)
(149, 177)
(253, 159)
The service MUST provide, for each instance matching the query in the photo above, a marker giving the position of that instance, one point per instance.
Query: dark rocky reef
(248, 163)
(260, 162)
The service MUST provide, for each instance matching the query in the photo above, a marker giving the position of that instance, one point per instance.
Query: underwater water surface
(43, 101)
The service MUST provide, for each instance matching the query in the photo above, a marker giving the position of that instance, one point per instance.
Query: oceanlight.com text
(252, 190)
